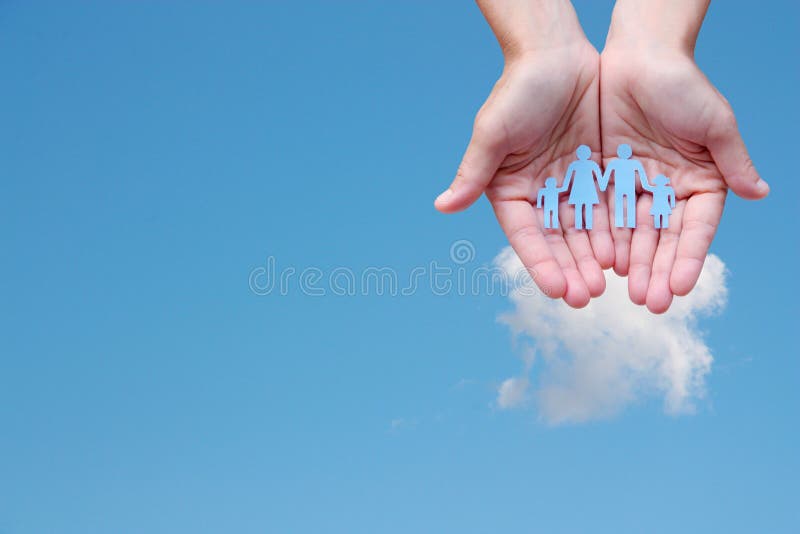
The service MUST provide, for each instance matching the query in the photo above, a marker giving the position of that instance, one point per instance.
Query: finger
(518, 220)
(621, 238)
(659, 294)
(600, 236)
(581, 250)
(479, 164)
(643, 249)
(577, 292)
(730, 155)
(700, 220)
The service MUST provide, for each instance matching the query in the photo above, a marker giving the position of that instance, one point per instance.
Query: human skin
(654, 97)
(545, 104)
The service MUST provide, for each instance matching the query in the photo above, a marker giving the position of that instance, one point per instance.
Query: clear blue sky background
(153, 153)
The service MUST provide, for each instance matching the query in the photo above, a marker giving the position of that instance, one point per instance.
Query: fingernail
(762, 186)
(445, 196)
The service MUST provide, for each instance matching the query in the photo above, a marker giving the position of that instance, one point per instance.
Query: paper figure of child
(549, 196)
(663, 201)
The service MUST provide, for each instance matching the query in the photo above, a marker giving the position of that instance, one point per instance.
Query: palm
(540, 110)
(674, 119)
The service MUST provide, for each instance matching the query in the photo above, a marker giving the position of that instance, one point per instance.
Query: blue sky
(153, 154)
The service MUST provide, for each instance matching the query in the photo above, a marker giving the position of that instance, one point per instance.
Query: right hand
(545, 105)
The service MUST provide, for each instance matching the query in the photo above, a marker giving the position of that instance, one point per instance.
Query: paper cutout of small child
(663, 201)
(549, 196)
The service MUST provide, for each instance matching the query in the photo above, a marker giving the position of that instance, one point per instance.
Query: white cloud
(594, 361)
(513, 392)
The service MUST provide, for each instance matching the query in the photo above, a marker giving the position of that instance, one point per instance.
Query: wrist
(664, 26)
(533, 26)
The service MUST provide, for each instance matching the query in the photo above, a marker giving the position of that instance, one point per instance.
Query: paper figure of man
(624, 170)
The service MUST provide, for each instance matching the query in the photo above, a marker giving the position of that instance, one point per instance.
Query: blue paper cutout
(583, 193)
(581, 176)
(663, 201)
(549, 194)
(624, 170)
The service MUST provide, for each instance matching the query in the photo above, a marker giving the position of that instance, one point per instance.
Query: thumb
(730, 155)
(481, 161)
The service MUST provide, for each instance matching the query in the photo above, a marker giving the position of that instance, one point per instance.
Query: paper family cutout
(582, 176)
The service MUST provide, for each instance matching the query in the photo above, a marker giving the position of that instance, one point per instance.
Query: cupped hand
(679, 125)
(542, 108)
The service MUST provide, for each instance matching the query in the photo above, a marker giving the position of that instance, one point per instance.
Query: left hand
(657, 100)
